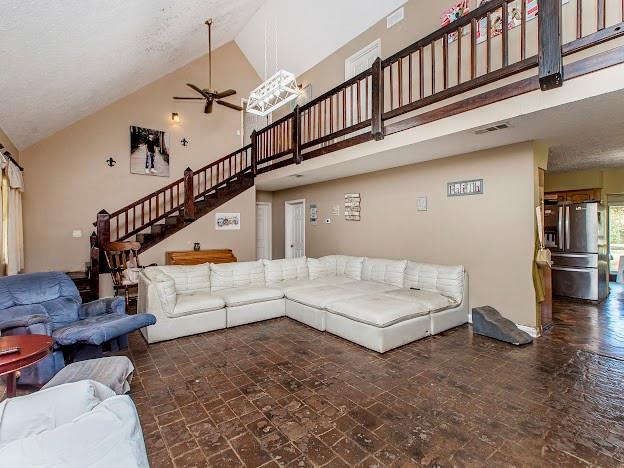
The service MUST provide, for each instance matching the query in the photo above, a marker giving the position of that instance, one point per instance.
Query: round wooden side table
(33, 348)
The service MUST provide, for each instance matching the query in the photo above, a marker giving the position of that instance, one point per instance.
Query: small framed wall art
(353, 207)
(227, 221)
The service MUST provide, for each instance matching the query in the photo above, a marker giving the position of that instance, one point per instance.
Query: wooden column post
(94, 266)
(550, 59)
(189, 198)
(296, 135)
(103, 238)
(377, 107)
(254, 153)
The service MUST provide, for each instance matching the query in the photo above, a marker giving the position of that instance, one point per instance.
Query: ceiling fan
(208, 94)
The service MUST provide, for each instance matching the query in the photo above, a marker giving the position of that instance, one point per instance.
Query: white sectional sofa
(377, 303)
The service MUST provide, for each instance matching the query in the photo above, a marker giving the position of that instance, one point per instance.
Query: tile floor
(279, 393)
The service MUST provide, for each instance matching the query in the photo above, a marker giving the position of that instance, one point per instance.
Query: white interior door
(263, 231)
(295, 229)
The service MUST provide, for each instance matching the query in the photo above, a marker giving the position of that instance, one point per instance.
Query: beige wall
(8, 144)
(491, 234)
(68, 181)
(265, 197)
(611, 181)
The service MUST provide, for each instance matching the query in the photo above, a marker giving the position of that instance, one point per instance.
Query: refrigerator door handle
(567, 227)
(560, 228)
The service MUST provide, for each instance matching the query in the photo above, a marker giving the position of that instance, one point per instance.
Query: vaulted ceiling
(60, 61)
(63, 60)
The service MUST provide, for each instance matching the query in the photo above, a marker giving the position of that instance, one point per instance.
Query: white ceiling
(590, 128)
(61, 60)
(306, 32)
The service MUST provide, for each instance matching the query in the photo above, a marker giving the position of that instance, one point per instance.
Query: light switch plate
(421, 203)
(76, 233)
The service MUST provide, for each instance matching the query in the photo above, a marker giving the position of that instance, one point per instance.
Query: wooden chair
(122, 257)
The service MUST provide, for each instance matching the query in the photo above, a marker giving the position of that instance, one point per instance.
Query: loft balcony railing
(410, 88)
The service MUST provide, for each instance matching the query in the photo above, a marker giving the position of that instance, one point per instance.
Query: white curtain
(14, 242)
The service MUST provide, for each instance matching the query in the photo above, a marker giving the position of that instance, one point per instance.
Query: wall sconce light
(175, 117)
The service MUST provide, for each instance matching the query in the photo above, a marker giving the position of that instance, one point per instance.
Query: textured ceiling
(603, 149)
(61, 60)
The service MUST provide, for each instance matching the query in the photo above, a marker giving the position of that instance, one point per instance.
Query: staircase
(161, 214)
(394, 95)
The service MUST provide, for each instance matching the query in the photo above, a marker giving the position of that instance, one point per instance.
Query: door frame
(270, 223)
(288, 223)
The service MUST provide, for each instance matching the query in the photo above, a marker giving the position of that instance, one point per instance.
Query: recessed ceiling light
(297, 176)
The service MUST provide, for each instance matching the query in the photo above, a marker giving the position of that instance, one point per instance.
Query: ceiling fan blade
(191, 98)
(199, 90)
(231, 106)
(226, 93)
(208, 108)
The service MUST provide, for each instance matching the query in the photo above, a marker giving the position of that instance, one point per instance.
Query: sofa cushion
(243, 296)
(324, 267)
(351, 267)
(368, 287)
(237, 275)
(336, 265)
(378, 310)
(384, 271)
(276, 271)
(300, 284)
(187, 278)
(433, 300)
(320, 296)
(446, 280)
(196, 303)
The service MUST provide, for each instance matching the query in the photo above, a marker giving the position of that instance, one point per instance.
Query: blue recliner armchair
(49, 304)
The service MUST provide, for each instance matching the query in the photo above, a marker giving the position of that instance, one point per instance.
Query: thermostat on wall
(327, 220)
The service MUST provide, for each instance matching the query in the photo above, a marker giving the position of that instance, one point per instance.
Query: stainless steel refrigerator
(575, 233)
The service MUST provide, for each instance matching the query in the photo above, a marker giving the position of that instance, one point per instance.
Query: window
(616, 235)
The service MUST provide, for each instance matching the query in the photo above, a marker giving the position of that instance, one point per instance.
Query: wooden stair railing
(463, 56)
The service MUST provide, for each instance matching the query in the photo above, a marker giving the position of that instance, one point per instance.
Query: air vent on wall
(493, 128)
(395, 17)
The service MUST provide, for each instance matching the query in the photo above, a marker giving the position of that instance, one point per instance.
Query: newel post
(254, 153)
(103, 237)
(550, 59)
(189, 202)
(296, 135)
(94, 265)
(377, 106)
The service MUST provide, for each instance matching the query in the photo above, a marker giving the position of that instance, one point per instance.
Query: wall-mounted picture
(149, 152)
(227, 221)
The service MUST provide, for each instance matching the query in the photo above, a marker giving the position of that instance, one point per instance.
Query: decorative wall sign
(353, 206)
(227, 221)
(453, 13)
(465, 187)
(313, 213)
(111, 162)
(184, 142)
(149, 152)
(514, 18)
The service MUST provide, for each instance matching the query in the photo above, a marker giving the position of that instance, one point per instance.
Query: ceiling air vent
(493, 128)
(395, 17)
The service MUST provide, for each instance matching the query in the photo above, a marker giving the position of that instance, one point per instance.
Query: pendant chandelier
(274, 92)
